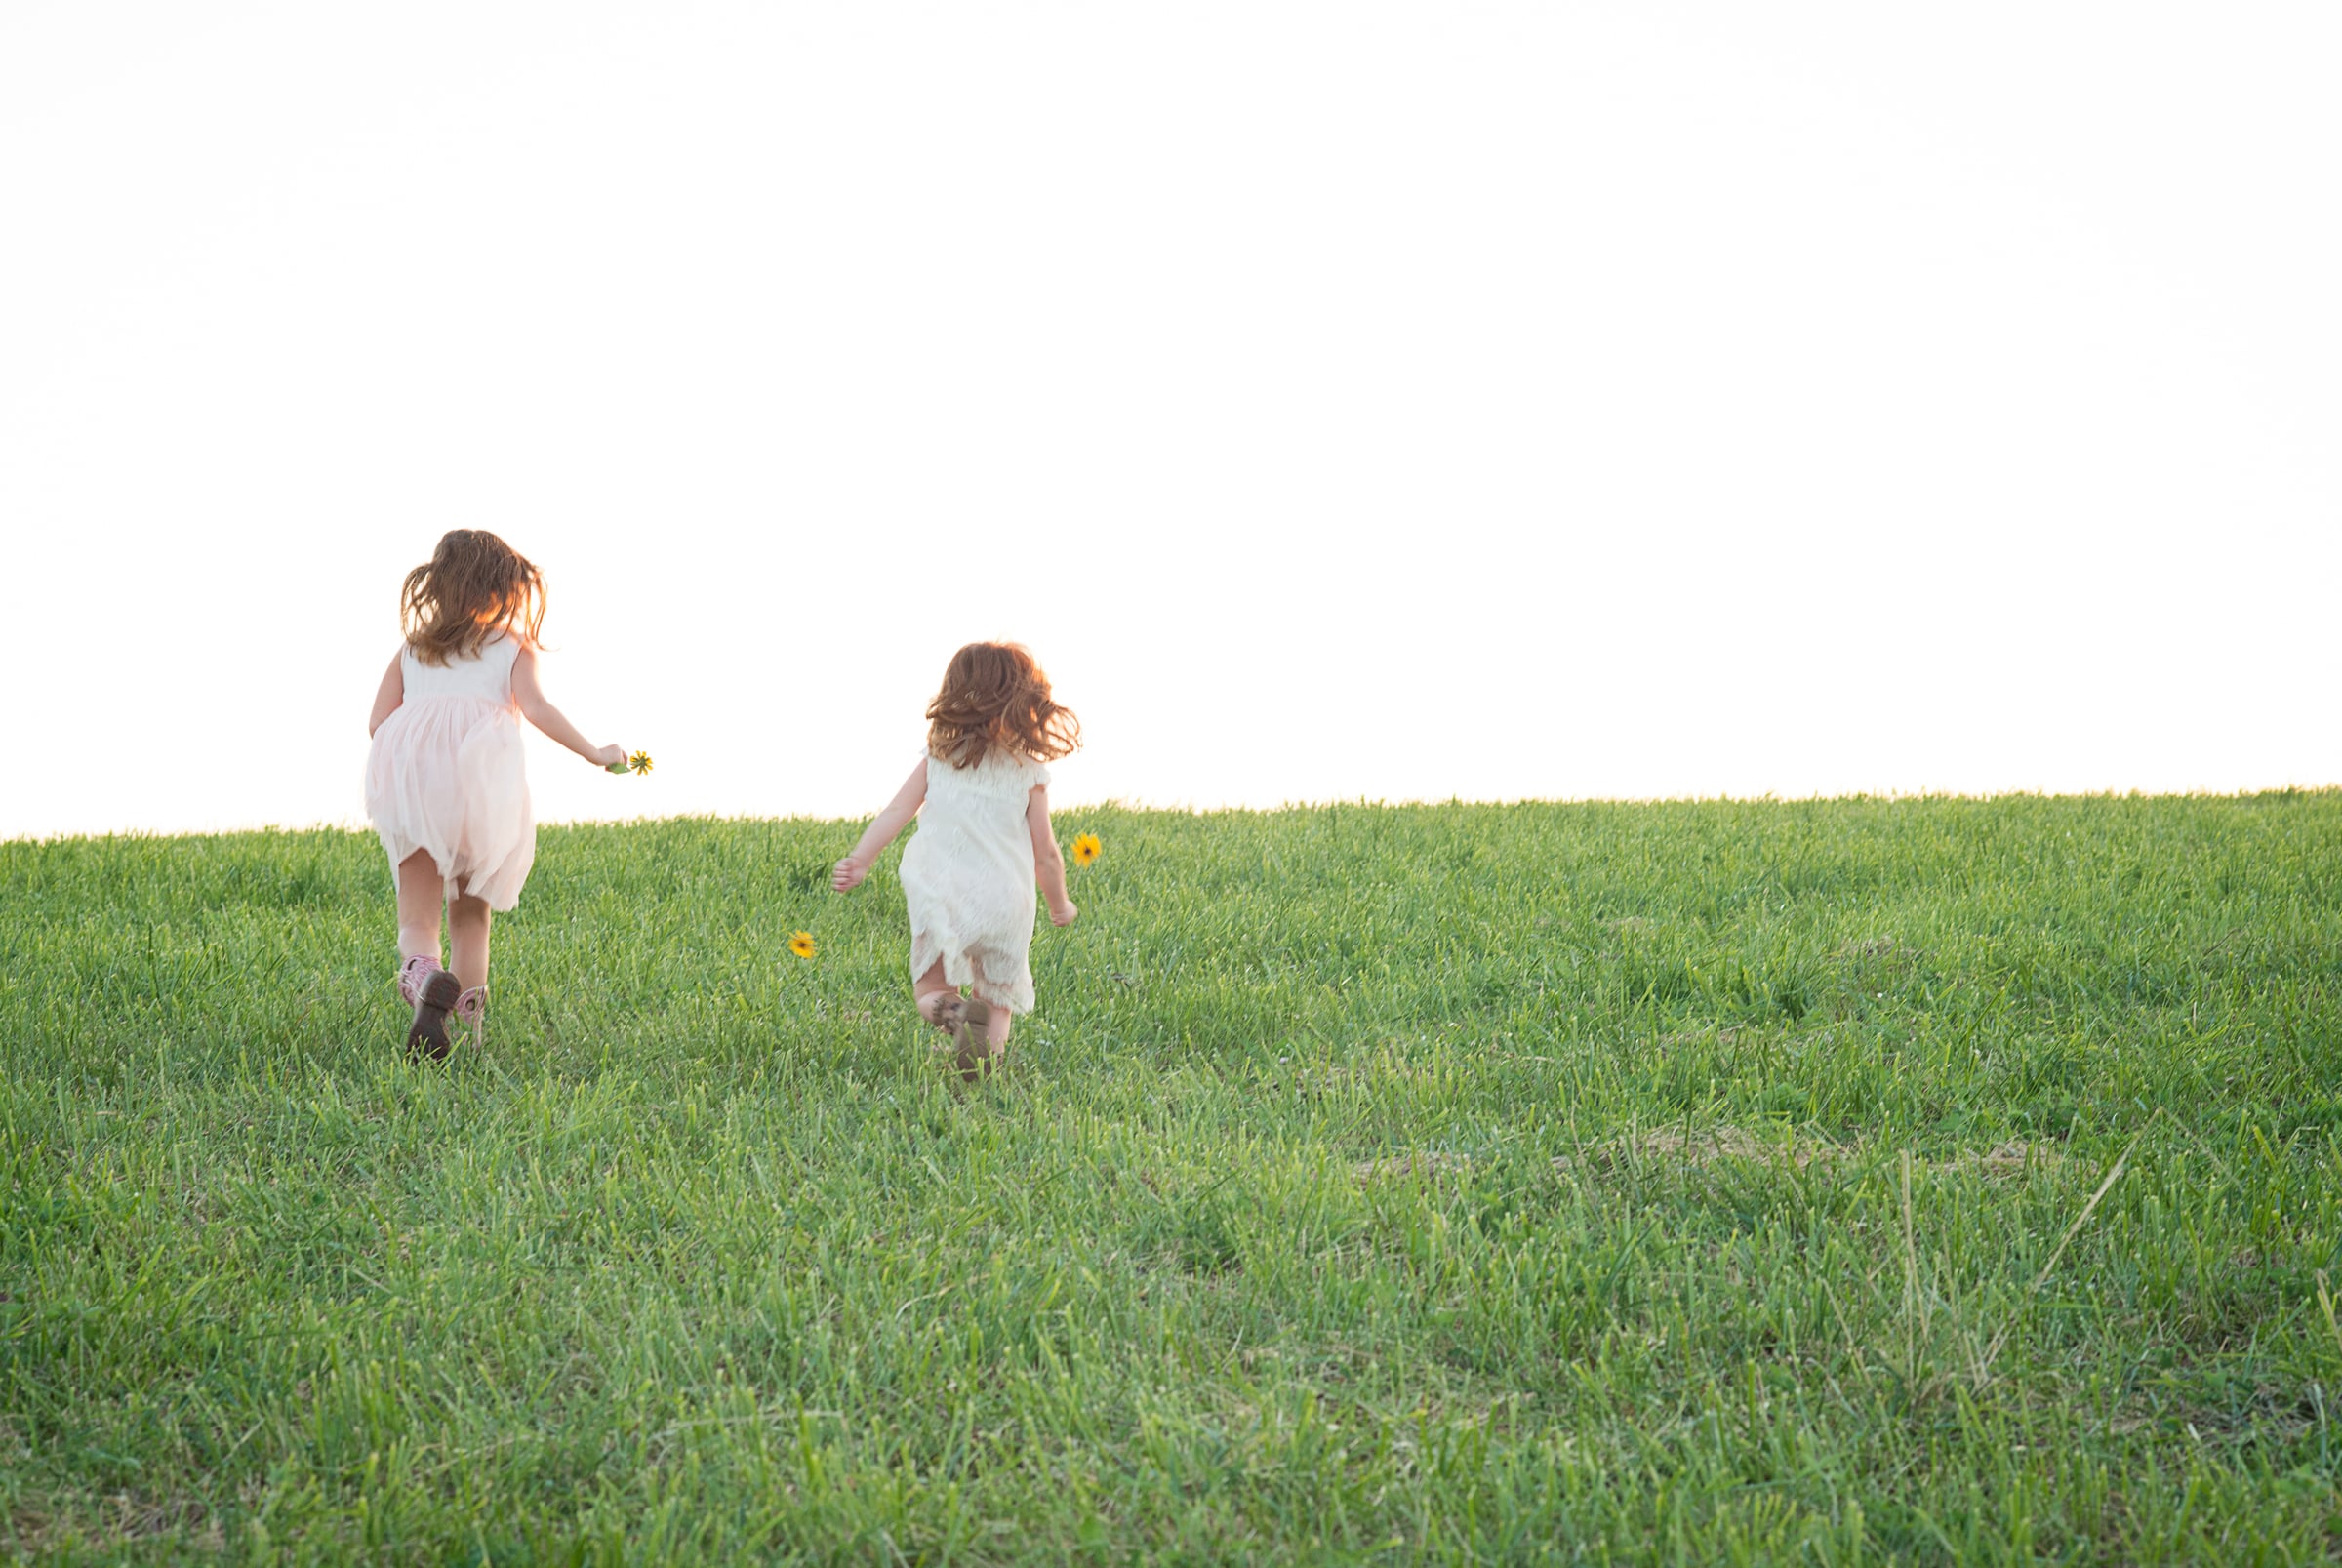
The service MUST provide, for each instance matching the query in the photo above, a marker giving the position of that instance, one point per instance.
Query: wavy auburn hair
(473, 586)
(996, 698)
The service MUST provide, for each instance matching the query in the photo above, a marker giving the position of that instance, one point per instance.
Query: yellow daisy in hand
(801, 944)
(641, 762)
(1086, 849)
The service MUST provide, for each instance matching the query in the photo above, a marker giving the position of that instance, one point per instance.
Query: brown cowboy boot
(435, 994)
(977, 1055)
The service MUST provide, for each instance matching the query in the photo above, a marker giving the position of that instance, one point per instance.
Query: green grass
(1591, 1183)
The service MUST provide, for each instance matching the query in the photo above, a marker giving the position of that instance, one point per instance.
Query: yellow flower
(641, 762)
(801, 944)
(1086, 849)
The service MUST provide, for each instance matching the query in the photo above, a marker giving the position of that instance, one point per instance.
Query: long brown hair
(473, 586)
(996, 698)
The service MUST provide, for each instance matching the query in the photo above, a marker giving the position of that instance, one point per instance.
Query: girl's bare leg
(996, 1031)
(420, 893)
(467, 920)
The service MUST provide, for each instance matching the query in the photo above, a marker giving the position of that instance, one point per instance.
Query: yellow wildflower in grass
(801, 944)
(1086, 849)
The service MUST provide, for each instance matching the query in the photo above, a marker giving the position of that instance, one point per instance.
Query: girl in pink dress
(446, 786)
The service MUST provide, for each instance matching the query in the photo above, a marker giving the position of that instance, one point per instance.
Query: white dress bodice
(487, 674)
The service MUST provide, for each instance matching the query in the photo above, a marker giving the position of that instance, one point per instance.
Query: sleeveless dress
(447, 775)
(967, 876)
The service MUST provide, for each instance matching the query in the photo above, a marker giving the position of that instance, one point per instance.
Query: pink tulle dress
(447, 775)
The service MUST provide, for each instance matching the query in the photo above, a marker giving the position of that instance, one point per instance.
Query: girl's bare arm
(388, 695)
(1048, 862)
(538, 711)
(883, 830)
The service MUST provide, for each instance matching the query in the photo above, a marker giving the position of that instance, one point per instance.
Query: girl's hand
(1063, 915)
(849, 872)
(610, 756)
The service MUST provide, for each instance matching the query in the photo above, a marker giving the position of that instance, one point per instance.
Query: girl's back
(974, 822)
(486, 674)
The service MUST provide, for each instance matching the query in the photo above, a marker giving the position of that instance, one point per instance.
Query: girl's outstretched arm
(883, 830)
(1048, 861)
(390, 695)
(549, 718)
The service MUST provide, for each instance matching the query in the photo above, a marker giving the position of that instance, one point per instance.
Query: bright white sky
(1344, 399)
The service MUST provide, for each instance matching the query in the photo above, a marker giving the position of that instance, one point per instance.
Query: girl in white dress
(982, 798)
(445, 781)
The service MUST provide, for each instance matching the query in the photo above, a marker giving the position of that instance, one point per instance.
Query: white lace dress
(967, 876)
(447, 775)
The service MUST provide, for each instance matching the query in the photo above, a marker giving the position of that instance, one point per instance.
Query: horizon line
(1190, 809)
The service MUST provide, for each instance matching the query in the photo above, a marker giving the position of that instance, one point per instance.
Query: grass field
(1930, 1181)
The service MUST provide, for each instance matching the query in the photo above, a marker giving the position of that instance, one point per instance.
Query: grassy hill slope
(1804, 1182)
